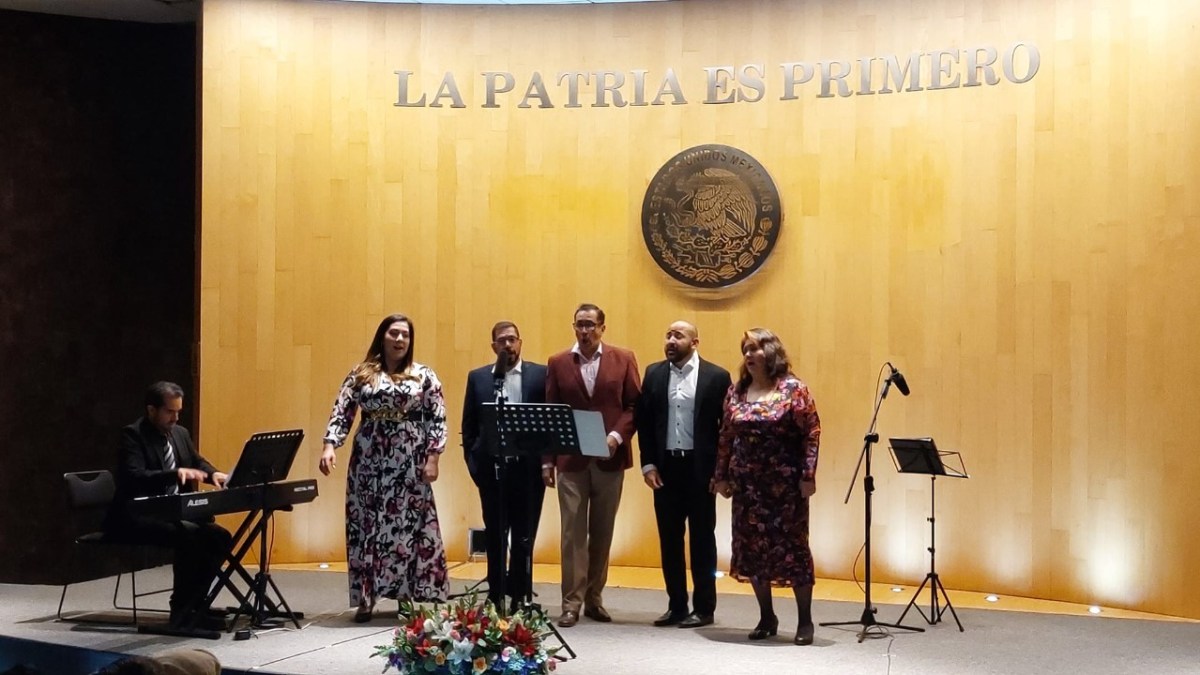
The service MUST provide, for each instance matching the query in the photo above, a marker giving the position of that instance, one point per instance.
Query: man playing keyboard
(158, 457)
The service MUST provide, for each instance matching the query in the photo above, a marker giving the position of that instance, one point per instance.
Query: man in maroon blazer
(603, 378)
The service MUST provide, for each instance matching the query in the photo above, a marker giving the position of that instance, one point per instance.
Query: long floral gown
(393, 541)
(766, 449)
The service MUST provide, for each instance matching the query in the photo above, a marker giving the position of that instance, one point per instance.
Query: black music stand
(266, 458)
(528, 430)
(921, 455)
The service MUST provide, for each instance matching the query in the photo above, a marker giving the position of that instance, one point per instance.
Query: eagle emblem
(711, 216)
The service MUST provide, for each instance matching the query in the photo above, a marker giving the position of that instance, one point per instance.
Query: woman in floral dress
(393, 542)
(767, 461)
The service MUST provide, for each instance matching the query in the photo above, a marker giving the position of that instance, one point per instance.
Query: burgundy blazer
(618, 386)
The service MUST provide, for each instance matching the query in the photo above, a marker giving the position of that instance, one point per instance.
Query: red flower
(521, 638)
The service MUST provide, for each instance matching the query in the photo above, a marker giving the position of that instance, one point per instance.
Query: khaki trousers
(587, 502)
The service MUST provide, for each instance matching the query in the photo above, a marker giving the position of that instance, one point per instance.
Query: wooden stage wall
(1019, 249)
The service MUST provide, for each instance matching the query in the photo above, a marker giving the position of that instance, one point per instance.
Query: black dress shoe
(670, 618)
(694, 620)
(765, 629)
(804, 635)
(568, 619)
(196, 621)
(597, 613)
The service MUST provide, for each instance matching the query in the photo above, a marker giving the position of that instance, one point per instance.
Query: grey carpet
(994, 642)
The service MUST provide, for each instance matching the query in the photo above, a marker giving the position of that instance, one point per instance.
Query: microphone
(897, 379)
(501, 366)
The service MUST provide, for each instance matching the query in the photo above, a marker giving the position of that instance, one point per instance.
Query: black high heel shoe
(765, 629)
(364, 613)
(804, 634)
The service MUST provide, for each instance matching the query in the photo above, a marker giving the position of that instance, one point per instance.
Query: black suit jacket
(712, 383)
(140, 471)
(481, 389)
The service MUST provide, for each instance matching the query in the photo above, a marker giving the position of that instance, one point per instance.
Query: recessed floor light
(992, 598)
(1094, 609)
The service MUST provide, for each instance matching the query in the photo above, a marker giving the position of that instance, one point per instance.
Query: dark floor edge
(47, 658)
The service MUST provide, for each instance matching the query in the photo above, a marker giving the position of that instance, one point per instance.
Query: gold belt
(391, 415)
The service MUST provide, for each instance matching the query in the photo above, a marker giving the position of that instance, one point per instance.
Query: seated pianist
(158, 458)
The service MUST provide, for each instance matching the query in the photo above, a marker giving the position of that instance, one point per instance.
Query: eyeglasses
(585, 325)
(506, 340)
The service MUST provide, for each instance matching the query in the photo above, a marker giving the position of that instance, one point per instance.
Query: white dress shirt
(512, 383)
(589, 368)
(681, 406)
(681, 403)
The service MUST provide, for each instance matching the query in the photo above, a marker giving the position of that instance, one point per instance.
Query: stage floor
(1011, 636)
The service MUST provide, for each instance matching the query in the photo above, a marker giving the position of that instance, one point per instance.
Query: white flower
(461, 651)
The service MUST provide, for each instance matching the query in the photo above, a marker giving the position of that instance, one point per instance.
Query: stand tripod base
(265, 613)
(476, 588)
(867, 621)
(935, 612)
(534, 608)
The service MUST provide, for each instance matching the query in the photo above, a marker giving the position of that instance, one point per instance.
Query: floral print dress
(766, 449)
(393, 541)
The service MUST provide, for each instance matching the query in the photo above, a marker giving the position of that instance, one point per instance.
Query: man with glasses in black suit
(510, 488)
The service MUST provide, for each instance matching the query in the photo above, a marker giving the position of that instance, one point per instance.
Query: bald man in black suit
(678, 420)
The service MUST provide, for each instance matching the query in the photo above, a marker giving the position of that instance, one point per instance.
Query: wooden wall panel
(1021, 251)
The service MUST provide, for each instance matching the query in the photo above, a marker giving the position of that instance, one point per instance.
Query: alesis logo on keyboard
(197, 501)
(304, 488)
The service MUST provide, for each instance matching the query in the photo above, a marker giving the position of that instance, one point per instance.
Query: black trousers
(511, 495)
(685, 503)
(200, 548)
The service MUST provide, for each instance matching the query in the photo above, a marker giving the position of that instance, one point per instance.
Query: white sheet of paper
(589, 424)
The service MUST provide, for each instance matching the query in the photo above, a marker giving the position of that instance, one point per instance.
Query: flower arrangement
(466, 637)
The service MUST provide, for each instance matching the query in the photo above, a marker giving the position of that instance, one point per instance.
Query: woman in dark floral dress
(393, 542)
(767, 461)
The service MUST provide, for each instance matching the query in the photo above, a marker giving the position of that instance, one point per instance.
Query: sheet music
(589, 424)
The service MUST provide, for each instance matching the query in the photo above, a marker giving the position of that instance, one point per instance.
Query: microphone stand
(497, 498)
(867, 620)
(501, 464)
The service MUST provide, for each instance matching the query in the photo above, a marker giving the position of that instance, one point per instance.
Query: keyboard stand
(261, 601)
(257, 603)
(254, 602)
